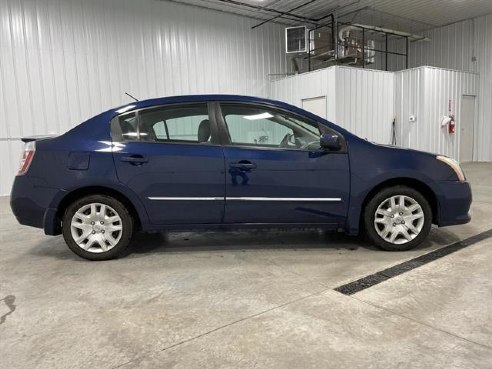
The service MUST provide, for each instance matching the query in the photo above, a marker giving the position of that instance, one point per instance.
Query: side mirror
(330, 142)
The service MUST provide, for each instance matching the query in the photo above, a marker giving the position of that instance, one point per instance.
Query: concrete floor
(246, 300)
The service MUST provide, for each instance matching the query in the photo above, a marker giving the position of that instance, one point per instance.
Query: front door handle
(243, 165)
(134, 159)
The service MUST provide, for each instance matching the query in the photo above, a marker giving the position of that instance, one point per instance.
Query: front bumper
(454, 203)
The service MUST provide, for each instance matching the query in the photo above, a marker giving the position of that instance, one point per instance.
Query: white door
(466, 126)
(315, 105)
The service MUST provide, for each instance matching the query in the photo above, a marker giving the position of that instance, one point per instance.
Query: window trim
(115, 129)
(227, 138)
(116, 135)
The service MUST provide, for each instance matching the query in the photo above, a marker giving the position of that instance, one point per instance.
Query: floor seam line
(227, 325)
(425, 324)
(245, 318)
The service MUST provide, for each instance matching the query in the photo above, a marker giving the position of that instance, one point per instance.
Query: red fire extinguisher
(450, 120)
(451, 125)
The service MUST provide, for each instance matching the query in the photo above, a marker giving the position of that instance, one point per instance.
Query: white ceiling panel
(414, 15)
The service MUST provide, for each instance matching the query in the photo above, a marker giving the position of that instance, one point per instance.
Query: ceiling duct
(353, 47)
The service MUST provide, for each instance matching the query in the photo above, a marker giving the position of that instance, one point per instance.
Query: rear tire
(397, 218)
(97, 227)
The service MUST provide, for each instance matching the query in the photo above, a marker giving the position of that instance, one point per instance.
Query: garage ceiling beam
(316, 21)
(289, 12)
(280, 14)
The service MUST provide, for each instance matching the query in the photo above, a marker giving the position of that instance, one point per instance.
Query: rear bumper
(30, 201)
(454, 203)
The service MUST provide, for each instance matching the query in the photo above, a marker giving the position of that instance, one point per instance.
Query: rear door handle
(134, 159)
(243, 165)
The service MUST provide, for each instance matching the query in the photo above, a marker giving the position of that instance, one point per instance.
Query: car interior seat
(204, 131)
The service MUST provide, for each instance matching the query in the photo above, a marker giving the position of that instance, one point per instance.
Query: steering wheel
(289, 141)
(308, 144)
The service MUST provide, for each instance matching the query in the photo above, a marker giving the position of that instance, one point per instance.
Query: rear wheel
(97, 227)
(398, 218)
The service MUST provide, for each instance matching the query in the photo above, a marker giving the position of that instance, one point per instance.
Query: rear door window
(188, 123)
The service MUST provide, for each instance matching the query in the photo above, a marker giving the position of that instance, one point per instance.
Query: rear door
(169, 156)
(276, 170)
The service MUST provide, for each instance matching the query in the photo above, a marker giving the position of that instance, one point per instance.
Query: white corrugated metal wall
(449, 47)
(309, 85)
(483, 52)
(463, 46)
(365, 102)
(360, 100)
(62, 61)
(425, 93)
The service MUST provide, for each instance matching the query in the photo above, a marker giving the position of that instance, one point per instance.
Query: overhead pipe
(289, 13)
(271, 10)
(410, 36)
(334, 38)
(284, 13)
(347, 29)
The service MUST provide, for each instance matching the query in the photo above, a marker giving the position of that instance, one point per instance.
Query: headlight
(454, 165)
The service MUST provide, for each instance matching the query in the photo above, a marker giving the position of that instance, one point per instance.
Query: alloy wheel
(96, 227)
(399, 219)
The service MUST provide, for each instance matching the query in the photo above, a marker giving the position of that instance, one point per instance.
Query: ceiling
(405, 15)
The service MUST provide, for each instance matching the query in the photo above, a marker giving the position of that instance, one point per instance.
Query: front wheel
(398, 218)
(97, 227)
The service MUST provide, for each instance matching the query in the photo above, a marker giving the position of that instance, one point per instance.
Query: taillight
(27, 157)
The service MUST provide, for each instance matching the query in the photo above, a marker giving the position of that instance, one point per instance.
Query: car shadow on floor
(244, 240)
(144, 244)
(265, 240)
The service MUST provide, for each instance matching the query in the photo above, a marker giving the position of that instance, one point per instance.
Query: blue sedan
(221, 162)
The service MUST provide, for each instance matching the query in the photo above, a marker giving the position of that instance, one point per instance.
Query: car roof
(199, 98)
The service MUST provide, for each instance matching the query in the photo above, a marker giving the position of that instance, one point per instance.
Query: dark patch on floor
(9, 301)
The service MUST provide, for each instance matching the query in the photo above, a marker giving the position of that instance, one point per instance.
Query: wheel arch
(416, 184)
(99, 190)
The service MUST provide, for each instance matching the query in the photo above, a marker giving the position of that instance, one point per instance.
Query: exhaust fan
(296, 40)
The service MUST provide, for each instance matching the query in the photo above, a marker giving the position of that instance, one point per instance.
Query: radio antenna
(133, 97)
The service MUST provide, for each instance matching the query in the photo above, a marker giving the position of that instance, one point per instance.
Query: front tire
(398, 218)
(97, 227)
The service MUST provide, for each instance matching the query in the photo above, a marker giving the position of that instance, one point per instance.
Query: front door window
(262, 127)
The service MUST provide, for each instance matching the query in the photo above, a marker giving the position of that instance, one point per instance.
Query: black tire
(127, 225)
(379, 199)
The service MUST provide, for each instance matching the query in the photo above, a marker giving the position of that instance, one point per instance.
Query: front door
(169, 157)
(276, 170)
